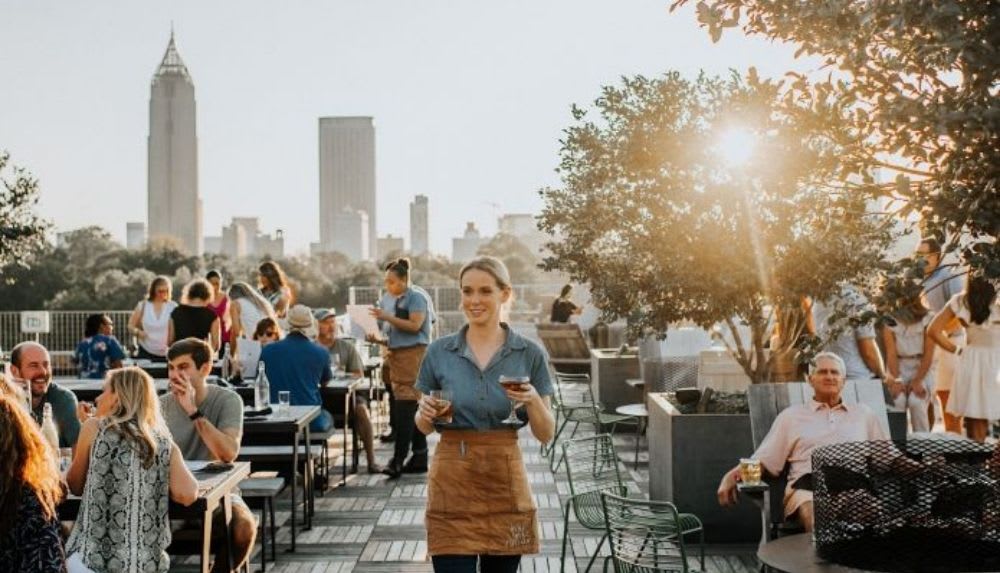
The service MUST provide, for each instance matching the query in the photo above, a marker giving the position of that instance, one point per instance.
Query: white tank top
(156, 327)
(250, 315)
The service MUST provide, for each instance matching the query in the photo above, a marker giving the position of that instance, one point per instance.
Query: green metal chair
(592, 469)
(645, 536)
(563, 405)
(584, 411)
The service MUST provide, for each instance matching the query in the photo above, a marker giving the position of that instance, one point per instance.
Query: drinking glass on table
(445, 409)
(65, 460)
(513, 383)
(284, 401)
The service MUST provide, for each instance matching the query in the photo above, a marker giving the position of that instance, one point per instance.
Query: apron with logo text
(478, 497)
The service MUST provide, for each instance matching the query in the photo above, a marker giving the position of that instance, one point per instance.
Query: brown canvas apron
(404, 365)
(478, 497)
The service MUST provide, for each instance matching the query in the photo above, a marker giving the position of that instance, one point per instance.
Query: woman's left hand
(525, 396)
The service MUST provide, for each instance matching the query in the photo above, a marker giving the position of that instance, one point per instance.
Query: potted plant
(714, 201)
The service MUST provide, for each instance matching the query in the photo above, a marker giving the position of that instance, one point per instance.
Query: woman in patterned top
(124, 467)
(29, 492)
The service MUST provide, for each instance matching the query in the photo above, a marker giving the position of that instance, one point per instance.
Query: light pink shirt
(800, 429)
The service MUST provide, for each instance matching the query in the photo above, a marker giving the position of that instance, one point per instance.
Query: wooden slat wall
(563, 341)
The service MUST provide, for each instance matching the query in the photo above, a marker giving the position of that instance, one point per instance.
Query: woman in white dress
(151, 319)
(909, 355)
(976, 394)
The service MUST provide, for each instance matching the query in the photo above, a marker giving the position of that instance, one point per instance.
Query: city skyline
(467, 128)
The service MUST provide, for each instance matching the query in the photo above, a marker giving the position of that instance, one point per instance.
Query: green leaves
(21, 229)
(923, 80)
(664, 230)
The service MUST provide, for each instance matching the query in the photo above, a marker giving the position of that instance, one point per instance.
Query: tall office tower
(174, 207)
(346, 179)
(419, 212)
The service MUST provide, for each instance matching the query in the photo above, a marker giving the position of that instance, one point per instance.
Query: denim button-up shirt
(480, 402)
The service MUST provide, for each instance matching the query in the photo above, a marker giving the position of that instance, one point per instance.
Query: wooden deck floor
(373, 524)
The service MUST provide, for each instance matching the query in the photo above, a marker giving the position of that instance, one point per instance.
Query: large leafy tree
(710, 200)
(22, 231)
(921, 78)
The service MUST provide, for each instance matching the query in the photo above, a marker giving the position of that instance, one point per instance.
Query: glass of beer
(445, 409)
(750, 471)
(513, 383)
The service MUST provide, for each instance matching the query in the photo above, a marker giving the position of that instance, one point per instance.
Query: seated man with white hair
(800, 429)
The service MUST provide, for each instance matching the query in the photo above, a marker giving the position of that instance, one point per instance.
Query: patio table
(292, 426)
(797, 554)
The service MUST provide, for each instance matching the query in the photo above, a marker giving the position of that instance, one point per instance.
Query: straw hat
(300, 318)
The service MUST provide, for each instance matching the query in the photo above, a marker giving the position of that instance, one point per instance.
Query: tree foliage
(22, 231)
(664, 231)
(921, 80)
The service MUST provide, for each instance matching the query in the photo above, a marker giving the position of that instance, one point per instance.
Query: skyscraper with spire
(174, 206)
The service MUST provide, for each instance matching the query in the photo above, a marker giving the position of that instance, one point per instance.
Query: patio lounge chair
(766, 402)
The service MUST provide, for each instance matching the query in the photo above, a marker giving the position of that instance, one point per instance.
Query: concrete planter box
(688, 453)
(608, 373)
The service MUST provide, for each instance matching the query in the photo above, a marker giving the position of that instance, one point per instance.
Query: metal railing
(65, 328)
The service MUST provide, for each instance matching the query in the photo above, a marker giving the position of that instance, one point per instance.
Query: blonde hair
(136, 416)
(491, 265)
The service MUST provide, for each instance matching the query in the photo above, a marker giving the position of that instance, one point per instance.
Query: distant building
(388, 245)
(243, 238)
(346, 180)
(352, 234)
(135, 235)
(523, 227)
(419, 226)
(465, 247)
(173, 203)
(212, 243)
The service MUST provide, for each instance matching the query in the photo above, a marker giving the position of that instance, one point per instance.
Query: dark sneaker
(417, 464)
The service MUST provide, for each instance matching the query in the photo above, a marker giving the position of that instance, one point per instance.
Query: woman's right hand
(427, 409)
(141, 334)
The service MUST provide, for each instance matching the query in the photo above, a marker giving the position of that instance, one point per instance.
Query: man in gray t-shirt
(206, 422)
(353, 366)
(855, 344)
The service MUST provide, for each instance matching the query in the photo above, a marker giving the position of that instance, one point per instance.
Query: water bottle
(262, 397)
(335, 359)
(225, 362)
(49, 430)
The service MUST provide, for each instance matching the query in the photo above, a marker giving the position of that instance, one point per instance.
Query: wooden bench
(568, 349)
(259, 493)
(769, 400)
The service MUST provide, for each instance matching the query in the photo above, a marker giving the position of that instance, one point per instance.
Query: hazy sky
(469, 98)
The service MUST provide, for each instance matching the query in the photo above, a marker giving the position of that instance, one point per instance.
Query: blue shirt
(845, 345)
(410, 302)
(945, 282)
(298, 365)
(94, 355)
(479, 400)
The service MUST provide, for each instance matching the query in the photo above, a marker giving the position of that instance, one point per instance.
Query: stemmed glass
(513, 383)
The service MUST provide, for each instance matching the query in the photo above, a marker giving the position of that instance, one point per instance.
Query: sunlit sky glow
(469, 98)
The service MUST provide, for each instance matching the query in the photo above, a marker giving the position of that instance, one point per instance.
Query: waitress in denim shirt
(479, 504)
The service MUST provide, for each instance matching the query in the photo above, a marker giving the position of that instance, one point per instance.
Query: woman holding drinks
(479, 504)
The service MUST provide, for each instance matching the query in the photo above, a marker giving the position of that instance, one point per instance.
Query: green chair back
(643, 535)
(592, 469)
